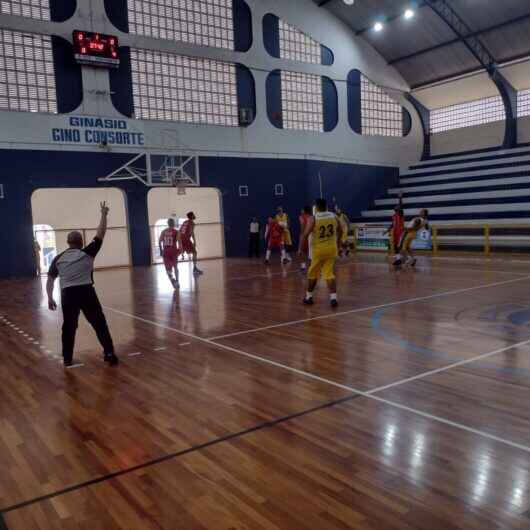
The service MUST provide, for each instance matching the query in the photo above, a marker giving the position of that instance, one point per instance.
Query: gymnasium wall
(466, 139)
(96, 92)
(23, 172)
(466, 89)
(354, 168)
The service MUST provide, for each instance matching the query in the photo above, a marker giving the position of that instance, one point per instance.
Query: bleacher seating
(482, 188)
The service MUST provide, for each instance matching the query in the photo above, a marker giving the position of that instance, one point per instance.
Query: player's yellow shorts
(287, 239)
(408, 238)
(322, 265)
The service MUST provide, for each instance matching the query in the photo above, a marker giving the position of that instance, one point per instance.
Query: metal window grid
(302, 101)
(523, 103)
(380, 114)
(297, 46)
(201, 22)
(468, 114)
(187, 89)
(38, 9)
(27, 77)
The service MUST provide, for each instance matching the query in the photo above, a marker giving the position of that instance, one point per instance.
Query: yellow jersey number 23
(325, 232)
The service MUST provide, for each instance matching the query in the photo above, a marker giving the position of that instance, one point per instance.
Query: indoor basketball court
(264, 265)
(238, 411)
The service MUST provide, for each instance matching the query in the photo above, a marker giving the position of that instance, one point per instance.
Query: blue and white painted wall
(35, 150)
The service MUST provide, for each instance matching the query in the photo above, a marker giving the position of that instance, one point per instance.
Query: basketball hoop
(181, 186)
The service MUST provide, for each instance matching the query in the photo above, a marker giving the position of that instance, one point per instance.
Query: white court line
(369, 308)
(443, 268)
(185, 344)
(449, 367)
(160, 348)
(368, 394)
(135, 354)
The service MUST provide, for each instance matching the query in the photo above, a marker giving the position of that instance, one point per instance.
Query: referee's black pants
(83, 298)
(253, 245)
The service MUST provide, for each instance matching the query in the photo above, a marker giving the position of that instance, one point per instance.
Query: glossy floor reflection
(237, 407)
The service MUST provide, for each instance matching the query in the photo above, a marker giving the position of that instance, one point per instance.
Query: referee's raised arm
(102, 228)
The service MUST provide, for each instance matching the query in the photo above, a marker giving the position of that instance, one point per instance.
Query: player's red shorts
(397, 235)
(275, 243)
(170, 256)
(187, 246)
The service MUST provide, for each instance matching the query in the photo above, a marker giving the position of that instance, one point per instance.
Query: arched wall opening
(163, 203)
(67, 209)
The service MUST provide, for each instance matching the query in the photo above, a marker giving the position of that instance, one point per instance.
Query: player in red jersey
(188, 239)
(169, 250)
(303, 246)
(274, 238)
(397, 230)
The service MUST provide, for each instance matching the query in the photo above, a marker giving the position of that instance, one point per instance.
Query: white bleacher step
(468, 166)
(447, 210)
(472, 156)
(466, 175)
(497, 194)
(506, 221)
(508, 181)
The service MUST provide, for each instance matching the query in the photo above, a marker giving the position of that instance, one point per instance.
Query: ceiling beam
(489, 29)
(461, 29)
(322, 3)
(522, 57)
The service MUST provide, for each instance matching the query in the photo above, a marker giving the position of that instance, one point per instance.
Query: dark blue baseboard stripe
(3, 525)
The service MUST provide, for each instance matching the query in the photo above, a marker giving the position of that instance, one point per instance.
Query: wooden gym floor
(235, 407)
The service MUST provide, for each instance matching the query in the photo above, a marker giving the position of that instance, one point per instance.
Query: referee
(75, 268)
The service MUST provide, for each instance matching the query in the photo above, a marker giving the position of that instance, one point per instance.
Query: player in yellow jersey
(411, 231)
(326, 232)
(283, 219)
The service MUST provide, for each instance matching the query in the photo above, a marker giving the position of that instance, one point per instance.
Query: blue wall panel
(354, 101)
(118, 14)
(242, 26)
(68, 76)
(22, 172)
(62, 10)
(330, 102)
(121, 87)
(271, 34)
(273, 94)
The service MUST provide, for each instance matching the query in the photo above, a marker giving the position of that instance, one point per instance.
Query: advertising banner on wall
(375, 237)
(423, 240)
(372, 237)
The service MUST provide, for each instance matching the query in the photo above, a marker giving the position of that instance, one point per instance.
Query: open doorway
(61, 210)
(46, 248)
(164, 203)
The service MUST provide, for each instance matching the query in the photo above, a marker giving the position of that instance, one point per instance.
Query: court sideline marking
(368, 308)
(367, 394)
(357, 393)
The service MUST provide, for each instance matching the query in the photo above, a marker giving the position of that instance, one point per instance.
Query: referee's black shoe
(111, 359)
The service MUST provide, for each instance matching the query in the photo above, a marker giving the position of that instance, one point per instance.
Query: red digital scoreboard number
(96, 49)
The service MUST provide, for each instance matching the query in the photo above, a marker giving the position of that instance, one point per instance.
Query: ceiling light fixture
(349, 2)
(409, 13)
(378, 26)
